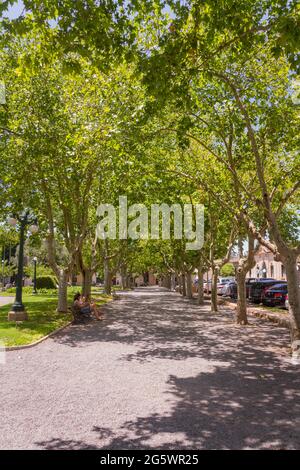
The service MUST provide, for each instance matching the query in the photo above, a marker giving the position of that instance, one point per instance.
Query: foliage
(227, 270)
(46, 282)
(163, 101)
(41, 270)
(29, 290)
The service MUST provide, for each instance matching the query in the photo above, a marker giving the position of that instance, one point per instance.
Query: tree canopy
(162, 101)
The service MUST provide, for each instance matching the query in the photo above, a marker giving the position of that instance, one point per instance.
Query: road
(158, 373)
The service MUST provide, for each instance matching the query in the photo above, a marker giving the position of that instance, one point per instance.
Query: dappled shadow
(65, 444)
(162, 324)
(126, 321)
(241, 406)
(258, 409)
(233, 386)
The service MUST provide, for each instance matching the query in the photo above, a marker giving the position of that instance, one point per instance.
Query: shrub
(29, 290)
(48, 291)
(25, 290)
(46, 282)
(228, 270)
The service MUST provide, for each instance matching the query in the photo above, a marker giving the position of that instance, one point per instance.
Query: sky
(15, 10)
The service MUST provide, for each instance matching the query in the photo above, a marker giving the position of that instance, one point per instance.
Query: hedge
(46, 282)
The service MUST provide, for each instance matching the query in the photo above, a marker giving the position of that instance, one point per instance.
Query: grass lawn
(274, 309)
(43, 319)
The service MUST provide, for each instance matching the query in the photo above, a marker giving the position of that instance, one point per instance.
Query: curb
(31, 345)
(268, 316)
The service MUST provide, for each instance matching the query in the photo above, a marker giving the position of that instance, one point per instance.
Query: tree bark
(107, 277)
(241, 314)
(200, 287)
(245, 265)
(166, 281)
(214, 296)
(189, 292)
(173, 282)
(62, 292)
(290, 264)
(86, 283)
(180, 283)
(183, 285)
(124, 278)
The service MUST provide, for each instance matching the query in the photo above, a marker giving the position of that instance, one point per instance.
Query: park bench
(79, 317)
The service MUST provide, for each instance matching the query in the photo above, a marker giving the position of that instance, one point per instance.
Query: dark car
(249, 283)
(275, 295)
(258, 287)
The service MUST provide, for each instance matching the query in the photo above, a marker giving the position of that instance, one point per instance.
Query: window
(282, 271)
(257, 271)
(272, 270)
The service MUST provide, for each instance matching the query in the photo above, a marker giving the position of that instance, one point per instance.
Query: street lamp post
(18, 312)
(34, 275)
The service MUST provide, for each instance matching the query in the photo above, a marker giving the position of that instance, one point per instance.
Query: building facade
(266, 266)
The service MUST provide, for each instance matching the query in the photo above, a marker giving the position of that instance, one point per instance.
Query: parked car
(207, 286)
(195, 285)
(275, 295)
(258, 287)
(222, 281)
(286, 303)
(230, 289)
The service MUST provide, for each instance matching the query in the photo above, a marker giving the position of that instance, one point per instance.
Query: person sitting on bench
(86, 307)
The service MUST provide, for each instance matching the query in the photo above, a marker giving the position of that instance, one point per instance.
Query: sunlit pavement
(6, 300)
(158, 372)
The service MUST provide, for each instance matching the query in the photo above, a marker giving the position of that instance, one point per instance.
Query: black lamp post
(34, 275)
(24, 220)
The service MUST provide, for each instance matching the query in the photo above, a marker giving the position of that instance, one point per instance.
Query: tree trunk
(124, 278)
(290, 264)
(107, 277)
(189, 292)
(200, 287)
(214, 296)
(245, 265)
(62, 291)
(173, 282)
(86, 283)
(183, 285)
(180, 284)
(241, 314)
(167, 282)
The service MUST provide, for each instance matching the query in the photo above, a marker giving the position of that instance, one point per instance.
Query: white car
(222, 281)
(207, 287)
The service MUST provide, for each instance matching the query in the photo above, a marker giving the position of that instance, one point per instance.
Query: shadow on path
(235, 388)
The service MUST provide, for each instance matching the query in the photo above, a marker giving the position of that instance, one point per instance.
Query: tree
(236, 104)
(61, 127)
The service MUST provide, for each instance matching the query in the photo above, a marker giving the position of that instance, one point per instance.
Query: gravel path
(6, 300)
(158, 372)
